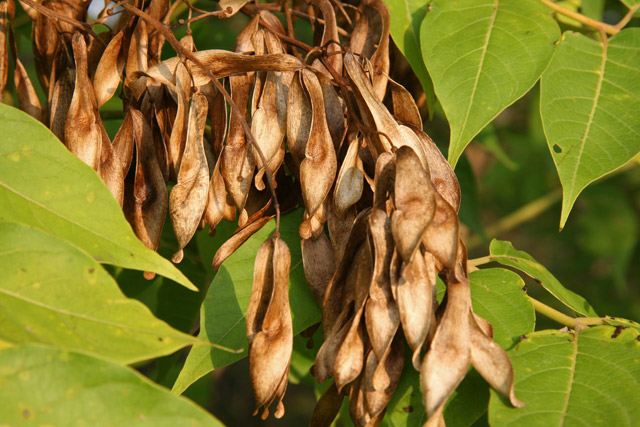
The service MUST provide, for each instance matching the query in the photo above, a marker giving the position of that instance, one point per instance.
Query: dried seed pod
(219, 205)
(231, 7)
(146, 207)
(221, 63)
(395, 135)
(339, 229)
(27, 97)
(109, 70)
(349, 358)
(442, 176)
(380, 59)
(491, 361)
(236, 240)
(377, 397)
(188, 197)
(415, 203)
(318, 264)
(157, 9)
(7, 14)
(318, 169)
(449, 355)
(237, 162)
(381, 312)
(269, 121)
(116, 157)
(333, 109)
(413, 291)
(349, 184)
(269, 326)
(405, 109)
(180, 93)
(442, 234)
(330, 39)
(327, 407)
(60, 101)
(84, 131)
(299, 116)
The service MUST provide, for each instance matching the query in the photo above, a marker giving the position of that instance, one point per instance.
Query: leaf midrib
(485, 48)
(574, 358)
(592, 113)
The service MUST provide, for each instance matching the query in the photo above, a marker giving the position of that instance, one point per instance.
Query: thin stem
(625, 20)
(585, 20)
(526, 213)
(480, 261)
(563, 319)
(554, 314)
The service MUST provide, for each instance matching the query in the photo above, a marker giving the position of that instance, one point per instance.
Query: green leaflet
(590, 377)
(504, 253)
(589, 102)
(45, 186)
(497, 296)
(406, 17)
(222, 318)
(55, 387)
(482, 56)
(53, 293)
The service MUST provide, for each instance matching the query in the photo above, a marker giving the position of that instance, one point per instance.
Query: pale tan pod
(442, 175)
(449, 355)
(334, 110)
(413, 292)
(236, 240)
(339, 229)
(381, 311)
(330, 39)
(380, 59)
(491, 361)
(322, 369)
(237, 161)
(350, 181)
(83, 134)
(318, 169)
(271, 346)
(27, 97)
(349, 358)
(442, 235)
(157, 9)
(415, 203)
(116, 159)
(109, 71)
(188, 197)
(298, 119)
(180, 92)
(383, 180)
(377, 397)
(146, 209)
(405, 109)
(231, 7)
(219, 204)
(361, 40)
(222, 63)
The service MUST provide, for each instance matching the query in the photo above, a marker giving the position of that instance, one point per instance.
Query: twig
(585, 20)
(480, 261)
(320, 21)
(626, 18)
(563, 319)
(168, 35)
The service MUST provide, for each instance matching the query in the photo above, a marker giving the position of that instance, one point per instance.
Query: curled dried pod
(269, 326)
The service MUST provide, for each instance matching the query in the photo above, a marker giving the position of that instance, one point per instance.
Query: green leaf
(55, 294)
(504, 253)
(589, 102)
(222, 318)
(588, 378)
(498, 296)
(469, 212)
(53, 387)
(406, 17)
(45, 186)
(482, 56)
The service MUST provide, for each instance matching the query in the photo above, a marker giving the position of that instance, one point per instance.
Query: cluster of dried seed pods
(380, 221)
